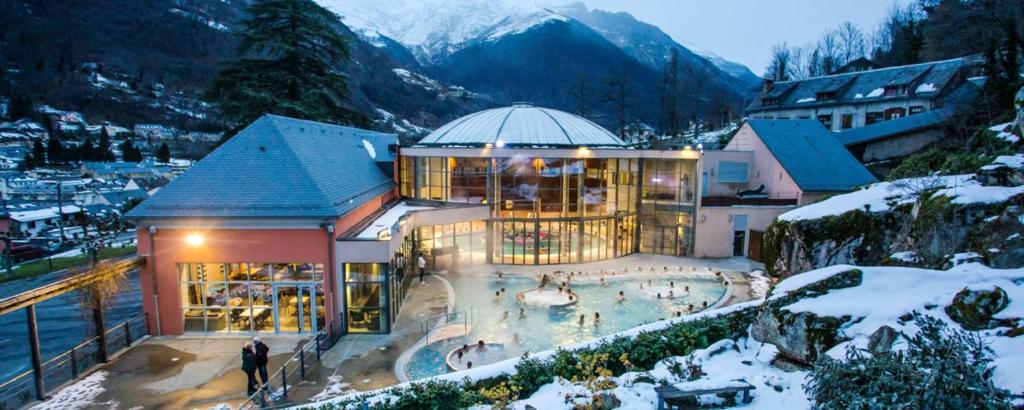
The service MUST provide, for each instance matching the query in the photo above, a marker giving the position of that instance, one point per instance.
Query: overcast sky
(745, 30)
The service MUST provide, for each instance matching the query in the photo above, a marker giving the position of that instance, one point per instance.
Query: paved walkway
(183, 372)
(366, 362)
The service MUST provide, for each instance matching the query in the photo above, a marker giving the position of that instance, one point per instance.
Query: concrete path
(183, 372)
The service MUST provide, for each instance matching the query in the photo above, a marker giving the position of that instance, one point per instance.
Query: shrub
(531, 374)
(941, 369)
(433, 395)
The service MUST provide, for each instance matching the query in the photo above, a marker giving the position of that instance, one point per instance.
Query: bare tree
(828, 52)
(851, 42)
(582, 95)
(617, 94)
(669, 113)
(778, 68)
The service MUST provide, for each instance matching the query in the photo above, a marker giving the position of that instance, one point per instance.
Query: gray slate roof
(277, 167)
(891, 128)
(811, 155)
(855, 87)
(522, 125)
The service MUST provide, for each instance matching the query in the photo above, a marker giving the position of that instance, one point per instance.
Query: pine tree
(163, 154)
(87, 151)
(19, 107)
(103, 152)
(129, 153)
(54, 149)
(290, 51)
(38, 152)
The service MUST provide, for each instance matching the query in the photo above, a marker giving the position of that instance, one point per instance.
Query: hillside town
(475, 204)
(66, 183)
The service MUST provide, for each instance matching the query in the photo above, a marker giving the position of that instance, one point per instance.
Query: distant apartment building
(36, 222)
(855, 99)
(33, 189)
(113, 170)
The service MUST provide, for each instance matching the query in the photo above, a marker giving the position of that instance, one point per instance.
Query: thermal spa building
(299, 226)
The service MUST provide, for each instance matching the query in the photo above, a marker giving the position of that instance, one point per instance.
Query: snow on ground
(80, 395)
(1012, 161)
(888, 293)
(759, 283)
(907, 257)
(335, 387)
(1001, 133)
(882, 196)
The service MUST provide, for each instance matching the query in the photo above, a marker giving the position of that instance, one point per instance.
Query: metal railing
(69, 365)
(275, 393)
(449, 317)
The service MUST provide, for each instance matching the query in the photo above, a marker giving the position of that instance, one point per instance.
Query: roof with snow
(895, 127)
(925, 80)
(277, 167)
(522, 125)
(812, 156)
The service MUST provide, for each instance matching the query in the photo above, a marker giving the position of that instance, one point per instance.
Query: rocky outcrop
(803, 337)
(932, 228)
(973, 309)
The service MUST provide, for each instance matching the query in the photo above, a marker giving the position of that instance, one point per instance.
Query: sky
(744, 31)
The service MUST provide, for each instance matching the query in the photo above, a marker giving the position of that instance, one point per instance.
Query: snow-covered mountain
(434, 29)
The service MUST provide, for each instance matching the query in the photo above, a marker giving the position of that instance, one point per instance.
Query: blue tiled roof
(277, 167)
(811, 155)
(857, 87)
(885, 129)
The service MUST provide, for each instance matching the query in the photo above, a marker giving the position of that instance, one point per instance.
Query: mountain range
(415, 64)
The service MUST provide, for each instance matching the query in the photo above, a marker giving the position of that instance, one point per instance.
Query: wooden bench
(672, 396)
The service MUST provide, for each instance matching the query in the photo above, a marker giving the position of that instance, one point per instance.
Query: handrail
(258, 400)
(60, 287)
(6, 387)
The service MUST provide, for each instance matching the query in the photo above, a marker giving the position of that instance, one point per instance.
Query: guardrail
(67, 366)
(275, 393)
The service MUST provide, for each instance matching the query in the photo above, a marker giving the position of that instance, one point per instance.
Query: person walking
(423, 266)
(262, 360)
(249, 367)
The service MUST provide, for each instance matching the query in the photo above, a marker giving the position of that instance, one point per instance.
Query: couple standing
(254, 357)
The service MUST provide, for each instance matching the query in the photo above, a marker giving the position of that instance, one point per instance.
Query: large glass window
(667, 205)
(240, 297)
(366, 303)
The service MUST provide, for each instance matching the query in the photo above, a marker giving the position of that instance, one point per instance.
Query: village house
(769, 167)
(855, 98)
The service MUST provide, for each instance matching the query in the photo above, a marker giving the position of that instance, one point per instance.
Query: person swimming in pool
(583, 319)
(497, 296)
(671, 295)
(597, 318)
(504, 316)
(481, 346)
(620, 297)
(458, 356)
(522, 313)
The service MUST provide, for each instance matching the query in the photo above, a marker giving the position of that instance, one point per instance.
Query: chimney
(767, 85)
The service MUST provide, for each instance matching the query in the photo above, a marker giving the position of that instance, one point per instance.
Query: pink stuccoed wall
(264, 245)
(766, 169)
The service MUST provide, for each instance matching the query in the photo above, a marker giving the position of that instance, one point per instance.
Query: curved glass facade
(565, 210)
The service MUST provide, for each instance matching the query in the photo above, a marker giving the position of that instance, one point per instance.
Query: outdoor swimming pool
(542, 328)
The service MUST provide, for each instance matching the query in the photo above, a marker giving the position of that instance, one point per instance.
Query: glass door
(293, 308)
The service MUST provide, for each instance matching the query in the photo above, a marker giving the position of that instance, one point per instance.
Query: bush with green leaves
(940, 369)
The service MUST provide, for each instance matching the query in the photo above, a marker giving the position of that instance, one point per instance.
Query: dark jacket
(248, 360)
(261, 354)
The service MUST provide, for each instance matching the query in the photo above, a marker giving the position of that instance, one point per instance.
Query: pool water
(544, 328)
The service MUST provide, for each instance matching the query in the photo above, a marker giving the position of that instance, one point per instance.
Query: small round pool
(542, 328)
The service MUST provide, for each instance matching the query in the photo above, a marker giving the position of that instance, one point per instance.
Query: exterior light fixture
(500, 143)
(194, 239)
